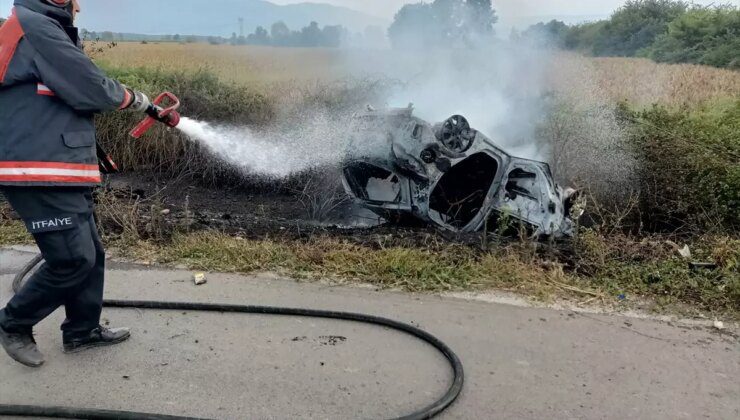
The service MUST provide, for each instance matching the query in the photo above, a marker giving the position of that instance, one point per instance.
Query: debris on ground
(719, 325)
(696, 266)
(685, 252)
(199, 279)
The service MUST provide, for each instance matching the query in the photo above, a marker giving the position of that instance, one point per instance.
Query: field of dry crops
(639, 81)
(242, 64)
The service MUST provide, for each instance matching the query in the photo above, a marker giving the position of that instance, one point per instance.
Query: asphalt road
(523, 363)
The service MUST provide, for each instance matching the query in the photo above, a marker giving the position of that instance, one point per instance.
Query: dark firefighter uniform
(49, 93)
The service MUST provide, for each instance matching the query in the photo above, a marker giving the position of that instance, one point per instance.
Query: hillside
(215, 17)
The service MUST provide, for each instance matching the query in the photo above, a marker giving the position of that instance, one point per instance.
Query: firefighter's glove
(139, 101)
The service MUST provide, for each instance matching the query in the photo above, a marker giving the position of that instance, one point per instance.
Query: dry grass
(639, 81)
(455, 268)
(13, 233)
(242, 64)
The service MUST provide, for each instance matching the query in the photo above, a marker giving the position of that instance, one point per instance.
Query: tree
(280, 34)
(331, 36)
(481, 17)
(107, 36)
(259, 37)
(176, 38)
(311, 35)
(635, 26)
(443, 23)
(414, 26)
(583, 37)
(708, 36)
(2, 21)
(550, 34)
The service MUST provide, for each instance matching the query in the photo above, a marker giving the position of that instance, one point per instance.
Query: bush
(664, 30)
(635, 26)
(656, 169)
(708, 36)
(689, 171)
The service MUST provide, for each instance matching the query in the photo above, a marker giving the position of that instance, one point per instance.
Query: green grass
(409, 268)
(13, 233)
(605, 271)
(689, 166)
(610, 271)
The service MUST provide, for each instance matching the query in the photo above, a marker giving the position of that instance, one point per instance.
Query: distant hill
(213, 17)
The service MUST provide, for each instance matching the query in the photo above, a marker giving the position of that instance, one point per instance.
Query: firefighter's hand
(139, 101)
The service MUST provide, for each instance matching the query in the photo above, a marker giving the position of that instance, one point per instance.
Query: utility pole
(241, 27)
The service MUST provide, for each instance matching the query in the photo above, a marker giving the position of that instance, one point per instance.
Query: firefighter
(49, 92)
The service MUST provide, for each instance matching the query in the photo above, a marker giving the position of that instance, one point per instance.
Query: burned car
(449, 175)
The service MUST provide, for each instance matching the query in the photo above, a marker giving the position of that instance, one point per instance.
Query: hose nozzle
(158, 112)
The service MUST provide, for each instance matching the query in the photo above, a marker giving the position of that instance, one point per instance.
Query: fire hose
(427, 412)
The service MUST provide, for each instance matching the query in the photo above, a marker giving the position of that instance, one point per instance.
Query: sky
(512, 13)
(506, 8)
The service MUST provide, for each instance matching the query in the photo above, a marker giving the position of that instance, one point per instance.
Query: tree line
(280, 35)
(667, 31)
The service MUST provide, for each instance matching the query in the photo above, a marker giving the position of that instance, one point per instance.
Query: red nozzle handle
(158, 113)
(175, 101)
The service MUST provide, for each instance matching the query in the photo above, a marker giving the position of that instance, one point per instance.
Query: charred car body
(450, 175)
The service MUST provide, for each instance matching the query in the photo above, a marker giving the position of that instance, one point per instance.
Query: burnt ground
(267, 212)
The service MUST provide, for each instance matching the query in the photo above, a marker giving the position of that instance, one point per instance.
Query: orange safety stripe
(52, 165)
(10, 36)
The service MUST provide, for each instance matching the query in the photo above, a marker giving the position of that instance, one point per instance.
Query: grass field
(639, 81)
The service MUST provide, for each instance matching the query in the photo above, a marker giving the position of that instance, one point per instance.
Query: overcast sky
(506, 8)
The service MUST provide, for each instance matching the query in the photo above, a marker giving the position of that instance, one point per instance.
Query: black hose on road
(94, 414)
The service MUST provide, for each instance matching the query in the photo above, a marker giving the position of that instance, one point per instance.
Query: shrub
(635, 26)
(689, 166)
(708, 36)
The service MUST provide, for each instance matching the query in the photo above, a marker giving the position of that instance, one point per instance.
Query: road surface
(523, 363)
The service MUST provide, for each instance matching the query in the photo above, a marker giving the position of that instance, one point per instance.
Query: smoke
(533, 102)
(499, 88)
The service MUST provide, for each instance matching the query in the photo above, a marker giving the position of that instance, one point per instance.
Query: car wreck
(449, 175)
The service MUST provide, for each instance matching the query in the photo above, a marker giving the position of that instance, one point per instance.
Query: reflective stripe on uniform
(42, 89)
(49, 172)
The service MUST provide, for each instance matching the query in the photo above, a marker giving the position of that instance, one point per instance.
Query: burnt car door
(528, 193)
